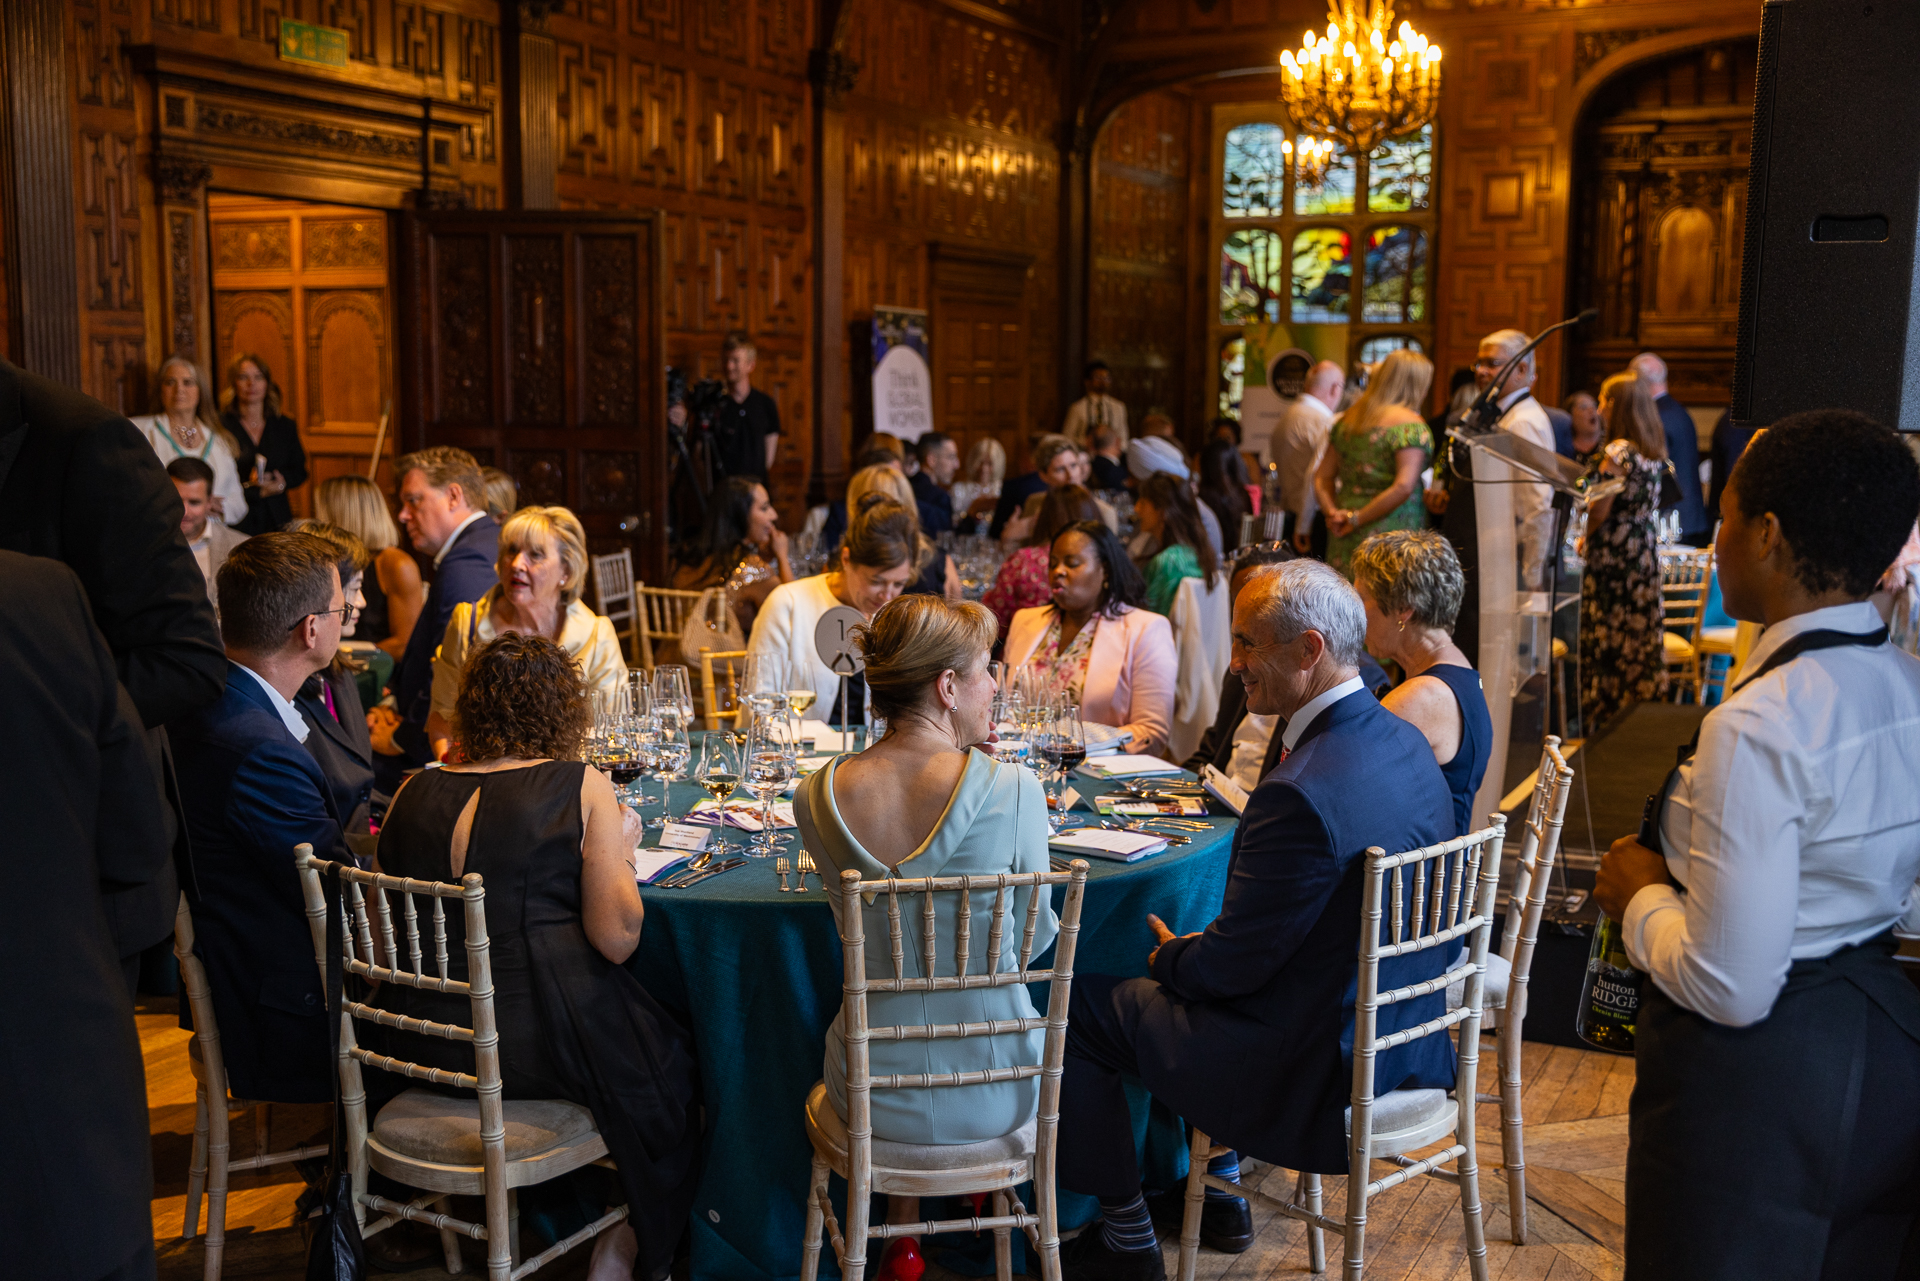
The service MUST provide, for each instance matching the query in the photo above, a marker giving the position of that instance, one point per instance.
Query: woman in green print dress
(1369, 478)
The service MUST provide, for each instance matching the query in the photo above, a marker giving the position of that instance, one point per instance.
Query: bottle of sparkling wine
(1610, 998)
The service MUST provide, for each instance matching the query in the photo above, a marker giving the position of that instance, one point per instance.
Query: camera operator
(746, 423)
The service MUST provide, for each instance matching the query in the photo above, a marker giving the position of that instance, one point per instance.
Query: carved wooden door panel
(536, 342)
(980, 356)
(305, 288)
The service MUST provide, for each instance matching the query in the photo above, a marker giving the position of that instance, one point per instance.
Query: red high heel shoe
(902, 1261)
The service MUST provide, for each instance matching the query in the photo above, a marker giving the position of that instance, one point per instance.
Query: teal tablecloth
(756, 974)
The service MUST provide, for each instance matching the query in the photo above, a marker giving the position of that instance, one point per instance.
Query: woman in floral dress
(1622, 659)
(1369, 478)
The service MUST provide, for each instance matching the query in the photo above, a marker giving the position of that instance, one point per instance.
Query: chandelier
(1360, 83)
(1310, 159)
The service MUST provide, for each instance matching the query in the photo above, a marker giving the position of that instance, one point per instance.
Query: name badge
(684, 836)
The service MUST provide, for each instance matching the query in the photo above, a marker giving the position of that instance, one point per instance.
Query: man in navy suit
(1683, 448)
(251, 793)
(1246, 1029)
(443, 506)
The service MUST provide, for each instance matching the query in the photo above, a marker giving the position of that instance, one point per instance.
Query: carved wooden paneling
(1139, 222)
(344, 242)
(541, 475)
(183, 336)
(536, 319)
(658, 126)
(116, 365)
(346, 341)
(253, 246)
(589, 110)
(203, 15)
(462, 344)
(609, 480)
(110, 214)
(259, 321)
(101, 31)
(609, 283)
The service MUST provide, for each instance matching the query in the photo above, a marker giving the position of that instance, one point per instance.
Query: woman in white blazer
(881, 553)
(1116, 659)
(188, 426)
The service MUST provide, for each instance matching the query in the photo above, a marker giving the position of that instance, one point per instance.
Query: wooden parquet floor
(1575, 1105)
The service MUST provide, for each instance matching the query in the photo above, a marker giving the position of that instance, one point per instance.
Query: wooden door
(980, 357)
(536, 342)
(305, 287)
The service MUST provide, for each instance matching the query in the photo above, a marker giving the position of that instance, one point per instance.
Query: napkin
(826, 738)
(1122, 847)
(1127, 767)
(651, 863)
(744, 815)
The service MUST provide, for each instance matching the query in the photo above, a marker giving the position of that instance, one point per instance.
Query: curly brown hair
(521, 696)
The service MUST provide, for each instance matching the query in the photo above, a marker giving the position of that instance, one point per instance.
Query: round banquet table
(756, 974)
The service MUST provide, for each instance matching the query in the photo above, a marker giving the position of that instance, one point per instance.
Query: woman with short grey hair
(1411, 584)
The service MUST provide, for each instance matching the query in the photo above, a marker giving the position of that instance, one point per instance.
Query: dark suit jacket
(1562, 423)
(84, 813)
(464, 576)
(935, 503)
(1250, 1036)
(79, 484)
(1729, 442)
(1216, 745)
(1683, 450)
(252, 793)
(1013, 496)
(341, 746)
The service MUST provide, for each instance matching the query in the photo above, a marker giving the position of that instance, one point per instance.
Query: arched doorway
(1660, 196)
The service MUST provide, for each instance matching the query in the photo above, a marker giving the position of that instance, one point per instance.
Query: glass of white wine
(717, 771)
(799, 700)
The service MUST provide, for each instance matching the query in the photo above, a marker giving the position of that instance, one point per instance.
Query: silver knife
(715, 870)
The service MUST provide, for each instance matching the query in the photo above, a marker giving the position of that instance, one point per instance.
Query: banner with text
(902, 381)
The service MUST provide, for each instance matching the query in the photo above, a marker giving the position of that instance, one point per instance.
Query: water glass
(763, 684)
(673, 690)
(770, 765)
(671, 753)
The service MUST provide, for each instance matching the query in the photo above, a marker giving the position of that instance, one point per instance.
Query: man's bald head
(1652, 371)
(1325, 382)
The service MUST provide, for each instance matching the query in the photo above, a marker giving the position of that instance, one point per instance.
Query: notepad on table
(1121, 847)
(651, 863)
(1127, 767)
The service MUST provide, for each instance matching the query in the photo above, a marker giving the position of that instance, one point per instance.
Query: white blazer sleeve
(601, 664)
(1155, 671)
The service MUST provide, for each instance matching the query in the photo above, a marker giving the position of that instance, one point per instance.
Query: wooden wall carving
(952, 137)
(535, 320)
(1140, 279)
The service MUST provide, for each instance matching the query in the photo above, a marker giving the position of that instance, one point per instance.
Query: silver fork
(781, 866)
(807, 865)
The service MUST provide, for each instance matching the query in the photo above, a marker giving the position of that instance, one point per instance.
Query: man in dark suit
(443, 506)
(939, 463)
(1246, 1029)
(252, 792)
(1683, 448)
(84, 810)
(79, 485)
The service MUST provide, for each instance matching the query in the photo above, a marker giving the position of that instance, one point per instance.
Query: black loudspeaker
(1829, 301)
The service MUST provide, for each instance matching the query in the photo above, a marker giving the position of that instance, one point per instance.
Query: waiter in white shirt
(1098, 406)
(1774, 1129)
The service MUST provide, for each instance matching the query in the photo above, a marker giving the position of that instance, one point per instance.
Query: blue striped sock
(1126, 1226)
(1225, 1166)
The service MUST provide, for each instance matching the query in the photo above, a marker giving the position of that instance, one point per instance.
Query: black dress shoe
(1087, 1258)
(1225, 1226)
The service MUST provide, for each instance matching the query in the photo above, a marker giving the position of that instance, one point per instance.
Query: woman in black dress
(553, 845)
(278, 463)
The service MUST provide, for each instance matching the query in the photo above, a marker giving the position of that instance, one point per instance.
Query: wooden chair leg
(810, 1241)
(450, 1240)
(196, 1166)
(1513, 1146)
(1470, 1210)
(1046, 1204)
(501, 1213)
(219, 1149)
(1002, 1240)
(1196, 1202)
(853, 1262)
(1307, 1192)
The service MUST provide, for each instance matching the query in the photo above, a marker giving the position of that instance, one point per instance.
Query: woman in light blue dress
(924, 801)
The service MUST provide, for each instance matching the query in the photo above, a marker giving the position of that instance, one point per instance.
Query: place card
(684, 836)
(1070, 798)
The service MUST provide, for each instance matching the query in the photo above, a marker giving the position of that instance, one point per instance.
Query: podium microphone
(1485, 411)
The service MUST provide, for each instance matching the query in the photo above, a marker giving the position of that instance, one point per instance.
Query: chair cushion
(444, 1129)
(826, 1127)
(1406, 1111)
(1718, 640)
(1493, 989)
(1677, 650)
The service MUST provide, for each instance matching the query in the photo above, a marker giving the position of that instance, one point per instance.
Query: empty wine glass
(673, 688)
(770, 766)
(670, 754)
(763, 684)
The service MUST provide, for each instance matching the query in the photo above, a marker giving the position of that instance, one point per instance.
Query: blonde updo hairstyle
(560, 529)
(879, 479)
(912, 640)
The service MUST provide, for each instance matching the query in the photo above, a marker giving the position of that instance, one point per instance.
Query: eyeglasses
(343, 611)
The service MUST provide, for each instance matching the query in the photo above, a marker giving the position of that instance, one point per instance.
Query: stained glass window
(1322, 276)
(1233, 375)
(1400, 174)
(1375, 349)
(1396, 276)
(1334, 192)
(1252, 270)
(1255, 185)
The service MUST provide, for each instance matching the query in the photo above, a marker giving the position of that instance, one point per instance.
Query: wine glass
(673, 689)
(770, 765)
(763, 684)
(644, 733)
(799, 699)
(1068, 735)
(670, 754)
(717, 771)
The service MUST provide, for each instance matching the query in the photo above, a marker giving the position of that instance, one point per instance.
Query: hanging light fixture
(1361, 83)
(1310, 159)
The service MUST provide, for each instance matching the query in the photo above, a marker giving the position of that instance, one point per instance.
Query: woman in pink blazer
(1114, 657)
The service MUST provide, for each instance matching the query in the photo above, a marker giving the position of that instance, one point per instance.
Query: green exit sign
(319, 46)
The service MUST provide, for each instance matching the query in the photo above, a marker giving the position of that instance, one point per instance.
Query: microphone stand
(1483, 413)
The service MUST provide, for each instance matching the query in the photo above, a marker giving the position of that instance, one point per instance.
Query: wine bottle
(1610, 997)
